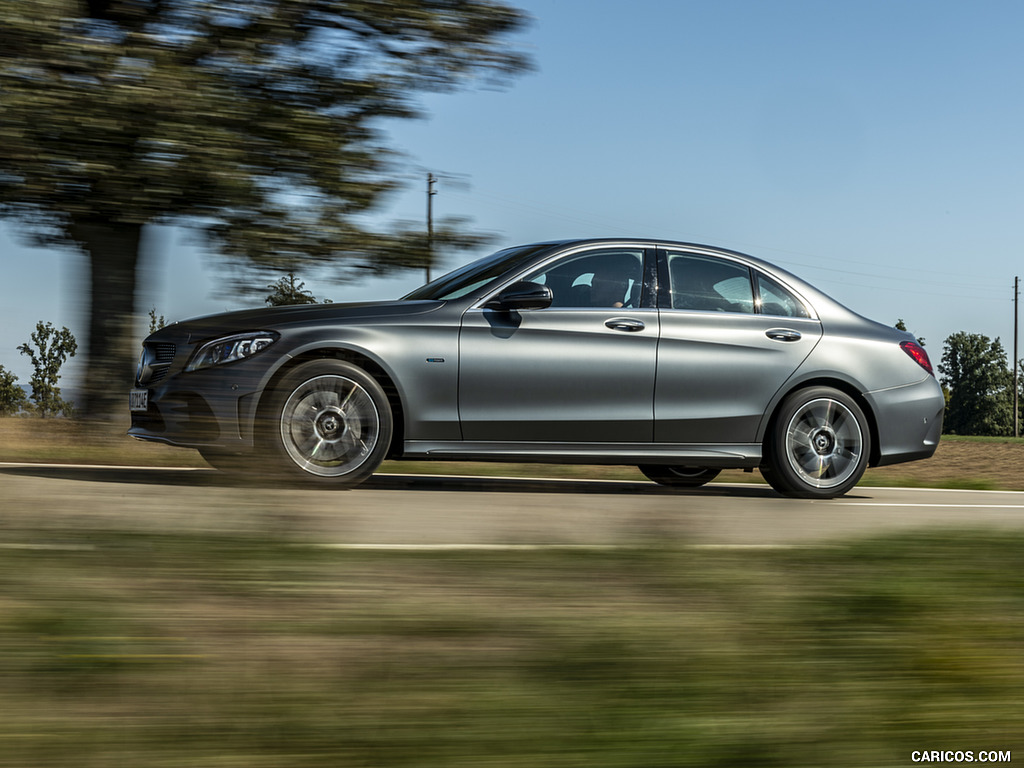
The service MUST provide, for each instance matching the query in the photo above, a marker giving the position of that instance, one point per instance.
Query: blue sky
(874, 148)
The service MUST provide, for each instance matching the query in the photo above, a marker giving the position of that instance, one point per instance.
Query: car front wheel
(819, 446)
(679, 477)
(330, 423)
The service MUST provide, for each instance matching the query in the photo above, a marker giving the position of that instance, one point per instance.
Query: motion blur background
(873, 148)
(177, 617)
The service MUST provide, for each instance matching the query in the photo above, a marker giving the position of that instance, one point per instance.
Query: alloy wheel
(330, 426)
(824, 443)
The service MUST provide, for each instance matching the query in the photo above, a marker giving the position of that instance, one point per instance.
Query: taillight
(916, 351)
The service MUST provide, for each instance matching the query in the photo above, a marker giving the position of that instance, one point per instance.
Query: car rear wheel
(679, 477)
(819, 446)
(331, 423)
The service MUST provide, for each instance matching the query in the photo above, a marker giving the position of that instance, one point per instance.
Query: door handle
(625, 324)
(783, 334)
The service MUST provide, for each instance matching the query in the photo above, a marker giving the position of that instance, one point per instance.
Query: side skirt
(724, 455)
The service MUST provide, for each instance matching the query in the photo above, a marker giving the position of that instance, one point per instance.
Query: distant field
(960, 462)
(992, 463)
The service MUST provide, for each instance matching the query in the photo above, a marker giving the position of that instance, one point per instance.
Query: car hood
(270, 318)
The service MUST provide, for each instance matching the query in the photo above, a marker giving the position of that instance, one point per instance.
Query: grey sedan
(682, 359)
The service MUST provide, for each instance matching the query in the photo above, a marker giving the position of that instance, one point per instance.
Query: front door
(580, 371)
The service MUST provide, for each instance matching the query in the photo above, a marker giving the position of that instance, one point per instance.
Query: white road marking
(466, 547)
(102, 466)
(549, 547)
(51, 547)
(462, 547)
(644, 483)
(924, 505)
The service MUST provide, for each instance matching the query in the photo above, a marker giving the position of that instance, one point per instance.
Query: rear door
(730, 338)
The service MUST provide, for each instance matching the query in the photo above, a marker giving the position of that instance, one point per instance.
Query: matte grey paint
(623, 385)
(557, 375)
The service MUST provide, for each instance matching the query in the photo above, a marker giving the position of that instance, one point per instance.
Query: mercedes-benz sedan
(682, 359)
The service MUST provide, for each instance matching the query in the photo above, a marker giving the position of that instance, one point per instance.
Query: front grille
(156, 361)
(164, 353)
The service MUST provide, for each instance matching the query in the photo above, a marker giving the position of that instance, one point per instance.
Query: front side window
(708, 284)
(475, 275)
(773, 299)
(606, 279)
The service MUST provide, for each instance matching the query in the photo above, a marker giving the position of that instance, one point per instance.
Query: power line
(621, 226)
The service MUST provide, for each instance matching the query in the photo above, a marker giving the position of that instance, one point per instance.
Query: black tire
(819, 445)
(679, 477)
(328, 422)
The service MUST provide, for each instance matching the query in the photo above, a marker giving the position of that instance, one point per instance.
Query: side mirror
(522, 295)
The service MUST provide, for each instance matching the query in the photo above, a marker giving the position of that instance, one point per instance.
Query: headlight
(230, 349)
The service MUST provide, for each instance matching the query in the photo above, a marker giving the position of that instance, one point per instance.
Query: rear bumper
(909, 421)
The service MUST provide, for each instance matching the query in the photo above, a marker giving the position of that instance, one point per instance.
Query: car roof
(664, 243)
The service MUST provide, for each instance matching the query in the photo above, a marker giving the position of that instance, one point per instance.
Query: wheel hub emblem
(823, 442)
(330, 425)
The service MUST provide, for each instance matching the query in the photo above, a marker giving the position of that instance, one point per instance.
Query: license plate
(138, 400)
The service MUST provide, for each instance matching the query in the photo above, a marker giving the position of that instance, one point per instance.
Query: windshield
(464, 280)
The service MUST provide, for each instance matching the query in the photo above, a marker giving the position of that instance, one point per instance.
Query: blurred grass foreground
(196, 651)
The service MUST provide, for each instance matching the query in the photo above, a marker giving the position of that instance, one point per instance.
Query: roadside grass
(984, 439)
(201, 651)
(70, 441)
(953, 483)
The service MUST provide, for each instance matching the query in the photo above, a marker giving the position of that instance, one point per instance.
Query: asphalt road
(42, 503)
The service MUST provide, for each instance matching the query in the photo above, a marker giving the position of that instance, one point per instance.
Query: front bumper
(214, 407)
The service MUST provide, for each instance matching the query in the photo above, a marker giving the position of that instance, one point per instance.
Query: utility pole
(431, 181)
(1016, 366)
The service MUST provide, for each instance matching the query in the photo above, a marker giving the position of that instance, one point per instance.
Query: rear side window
(707, 284)
(773, 299)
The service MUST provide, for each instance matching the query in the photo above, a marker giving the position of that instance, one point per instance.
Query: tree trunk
(113, 251)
